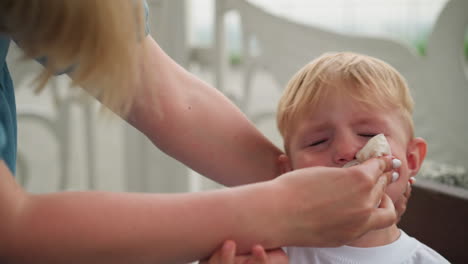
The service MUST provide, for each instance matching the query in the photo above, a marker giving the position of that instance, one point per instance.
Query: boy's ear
(284, 164)
(415, 154)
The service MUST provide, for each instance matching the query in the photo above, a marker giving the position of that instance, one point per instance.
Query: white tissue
(375, 147)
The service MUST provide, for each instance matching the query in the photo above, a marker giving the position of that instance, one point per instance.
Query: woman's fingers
(277, 256)
(401, 203)
(383, 216)
(225, 255)
(260, 256)
(228, 252)
(376, 167)
(379, 190)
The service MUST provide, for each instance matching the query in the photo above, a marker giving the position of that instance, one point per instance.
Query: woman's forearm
(103, 227)
(196, 124)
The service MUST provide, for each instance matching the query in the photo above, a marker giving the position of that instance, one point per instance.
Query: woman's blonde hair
(98, 39)
(368, 80)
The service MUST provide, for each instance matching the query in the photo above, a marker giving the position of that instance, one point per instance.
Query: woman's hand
(332, 206)
(227, 255)
(400, 204)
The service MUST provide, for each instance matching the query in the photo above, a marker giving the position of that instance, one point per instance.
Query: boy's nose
(345, 151)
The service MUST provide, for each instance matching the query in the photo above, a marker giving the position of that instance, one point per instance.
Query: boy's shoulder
(425, 254)
(406, 250)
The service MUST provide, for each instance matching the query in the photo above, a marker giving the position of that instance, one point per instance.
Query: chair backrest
(438, 80)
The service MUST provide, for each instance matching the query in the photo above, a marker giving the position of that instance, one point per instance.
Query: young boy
(328, 112)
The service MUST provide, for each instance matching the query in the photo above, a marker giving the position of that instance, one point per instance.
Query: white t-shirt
(405, 250)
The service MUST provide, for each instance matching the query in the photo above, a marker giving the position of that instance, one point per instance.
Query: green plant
(466, 47)
(235, 59)
(421, 46)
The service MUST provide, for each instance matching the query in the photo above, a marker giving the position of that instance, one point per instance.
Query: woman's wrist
(260, 215)
(286, 208)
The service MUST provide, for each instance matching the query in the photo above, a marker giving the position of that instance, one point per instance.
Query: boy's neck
(377, 237)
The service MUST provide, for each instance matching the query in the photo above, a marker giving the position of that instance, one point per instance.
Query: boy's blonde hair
(363, 78)
(100, 39)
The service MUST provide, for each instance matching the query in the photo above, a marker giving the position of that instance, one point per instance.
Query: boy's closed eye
(318, 142)
(369, 135)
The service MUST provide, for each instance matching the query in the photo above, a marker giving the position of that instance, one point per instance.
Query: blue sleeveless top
(7, 110)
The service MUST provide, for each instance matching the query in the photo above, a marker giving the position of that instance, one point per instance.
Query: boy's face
(336, 130)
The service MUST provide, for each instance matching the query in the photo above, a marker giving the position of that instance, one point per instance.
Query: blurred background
(248, 49)
(59, 148)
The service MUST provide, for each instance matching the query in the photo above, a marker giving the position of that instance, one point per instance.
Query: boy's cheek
(396, 189)
(307, 160)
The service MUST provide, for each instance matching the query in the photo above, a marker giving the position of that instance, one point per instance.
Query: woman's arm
(103, 227)
(196, 124)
